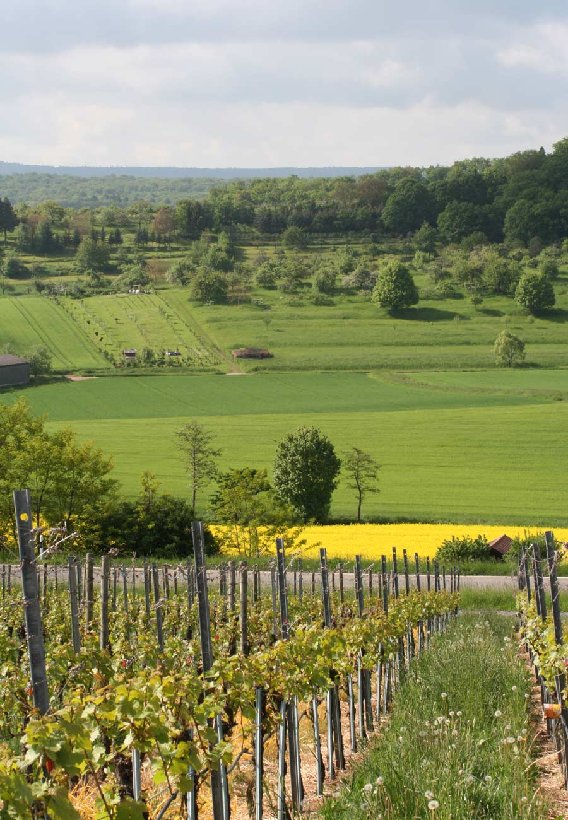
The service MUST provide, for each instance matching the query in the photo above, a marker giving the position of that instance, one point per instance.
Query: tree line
(515, 198)
(74, 492)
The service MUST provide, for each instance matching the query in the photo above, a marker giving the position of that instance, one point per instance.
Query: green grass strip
(458, 743)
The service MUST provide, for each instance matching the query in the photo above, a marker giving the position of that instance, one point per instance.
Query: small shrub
(460, 550)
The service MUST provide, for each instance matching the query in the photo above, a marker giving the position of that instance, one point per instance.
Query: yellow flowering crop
(373, 540)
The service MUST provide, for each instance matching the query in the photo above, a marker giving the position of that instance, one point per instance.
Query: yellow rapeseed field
(373, 540)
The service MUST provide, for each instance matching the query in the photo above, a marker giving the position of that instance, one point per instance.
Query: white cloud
(267, 134)
(543, 49)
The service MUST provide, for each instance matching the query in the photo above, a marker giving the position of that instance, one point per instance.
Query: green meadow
(484, 447)
(347, 333)
(26, 322)
(458, 439)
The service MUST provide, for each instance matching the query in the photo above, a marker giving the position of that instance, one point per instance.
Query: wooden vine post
(335, 738)
(105, 583)
(219, 786)
(290, 712)
(89, 590)
(32, 610)
(558, 637)
(74, 602)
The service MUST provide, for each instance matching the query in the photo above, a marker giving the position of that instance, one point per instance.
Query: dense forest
(513, 199)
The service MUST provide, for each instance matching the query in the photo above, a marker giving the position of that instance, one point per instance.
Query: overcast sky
(256, 83)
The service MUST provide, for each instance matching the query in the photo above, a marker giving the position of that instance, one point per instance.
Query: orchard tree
(8, 217)
(305, 472)
(361, 470)
(200, 457)
(395, 288)
(92, 256)
(294, 237)
(509, 349)
(535, 292)
(209, 286)
(40, 359)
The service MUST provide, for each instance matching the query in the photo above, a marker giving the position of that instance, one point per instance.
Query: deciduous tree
(361, 470)
(200, 455)
(305, 472)
(535, 292)
(395, 288)
(509, 349)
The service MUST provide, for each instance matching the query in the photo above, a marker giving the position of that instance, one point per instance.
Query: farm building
(13, 371)
(500, 546)
(251, 353)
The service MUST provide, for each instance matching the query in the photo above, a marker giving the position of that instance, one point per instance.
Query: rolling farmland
(448, 451)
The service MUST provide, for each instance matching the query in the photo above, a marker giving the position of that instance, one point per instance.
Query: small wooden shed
(14, 371)
(251, 353)
(500, 546)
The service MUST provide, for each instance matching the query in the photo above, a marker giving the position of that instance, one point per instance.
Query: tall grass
(458, 744)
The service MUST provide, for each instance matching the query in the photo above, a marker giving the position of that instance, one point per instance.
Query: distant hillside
(86, 187)
(7, 168)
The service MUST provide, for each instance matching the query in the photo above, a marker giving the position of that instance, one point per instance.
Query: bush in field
(153, 524)
(460, 550)
(509, 349)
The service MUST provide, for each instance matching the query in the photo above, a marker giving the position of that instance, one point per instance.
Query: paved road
(503, 582)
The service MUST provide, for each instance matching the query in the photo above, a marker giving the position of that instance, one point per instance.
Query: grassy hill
(460, 446)
(458, 438)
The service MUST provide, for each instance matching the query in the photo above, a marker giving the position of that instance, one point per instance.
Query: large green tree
(92, 256)
(408, 207)
(535, 292)
(69, 481)
(395, 288)
(305, 472)
(209, 286)
(509, 349)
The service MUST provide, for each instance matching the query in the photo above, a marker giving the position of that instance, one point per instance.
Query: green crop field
(32, 320)
(457, 438)
(448, 450)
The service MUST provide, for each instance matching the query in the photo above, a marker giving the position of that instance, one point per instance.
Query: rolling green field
(349, 334)
(458, 438)
(449, 450)
(353, 334)
(26, 322)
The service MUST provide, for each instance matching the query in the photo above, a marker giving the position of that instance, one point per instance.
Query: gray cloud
(225, 81)
(54, 25)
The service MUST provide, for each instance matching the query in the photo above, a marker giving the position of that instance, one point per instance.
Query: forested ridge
(514, 199)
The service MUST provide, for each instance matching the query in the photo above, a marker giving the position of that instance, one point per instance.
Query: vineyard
(140, 321)
(542, 633)
(153, 695)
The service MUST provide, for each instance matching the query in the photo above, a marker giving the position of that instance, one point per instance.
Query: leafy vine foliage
(105, 704)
